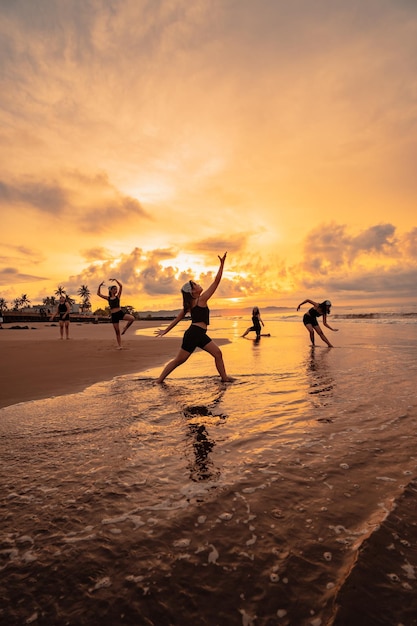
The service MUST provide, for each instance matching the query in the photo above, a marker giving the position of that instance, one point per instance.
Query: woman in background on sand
(256, 323)
(310, 319)
(195, 302)
(116, 311)
(63, 310)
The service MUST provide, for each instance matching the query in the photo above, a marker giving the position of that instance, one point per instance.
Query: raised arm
(99, 292)
(163, 331)
(205, 295)
(305, 302)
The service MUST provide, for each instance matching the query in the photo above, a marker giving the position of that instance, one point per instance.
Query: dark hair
(325, 306)
(187, 300)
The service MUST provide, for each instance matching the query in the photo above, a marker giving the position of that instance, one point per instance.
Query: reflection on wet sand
(201, 465)
(321, 381)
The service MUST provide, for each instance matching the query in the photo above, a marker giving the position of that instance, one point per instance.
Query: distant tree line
(51, 301)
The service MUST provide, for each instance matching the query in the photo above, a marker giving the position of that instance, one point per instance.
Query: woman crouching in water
(116, 311)
(310, 319)
(195, 302)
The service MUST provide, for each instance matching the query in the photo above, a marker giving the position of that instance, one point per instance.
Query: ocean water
(287, 497)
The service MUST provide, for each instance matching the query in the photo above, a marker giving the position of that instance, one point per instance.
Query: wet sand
(38, 364)
(285, 499)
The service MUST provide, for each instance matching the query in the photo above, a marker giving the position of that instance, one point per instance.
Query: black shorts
(62, 318)
(307, 319)
(116, 317)
(194, 337)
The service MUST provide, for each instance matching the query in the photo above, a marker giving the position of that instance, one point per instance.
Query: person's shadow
(201, 466)
(321, 382)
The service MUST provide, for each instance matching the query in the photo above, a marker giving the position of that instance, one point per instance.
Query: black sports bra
(200, 314)
(314, 313)
(114, 303)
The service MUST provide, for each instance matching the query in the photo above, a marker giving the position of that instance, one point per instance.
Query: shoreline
(38, 365)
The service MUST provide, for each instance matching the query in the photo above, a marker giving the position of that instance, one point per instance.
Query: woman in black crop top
(116, 311)
(63, 310)
(310, 319)
(195, 303)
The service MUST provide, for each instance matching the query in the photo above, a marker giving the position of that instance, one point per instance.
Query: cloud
(379, 238)
(377, 260)
(96, 254)
(156, 122)
(47, 197)
(17, 252)
(12, 276)
(329, 247)
(91, 202)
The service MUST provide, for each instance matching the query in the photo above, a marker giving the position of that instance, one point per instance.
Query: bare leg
(67, 329)
(130, 319)
(61, 329)
(117, 331)
(246, 332)
(310, 329)
(181, 357)
(322, 336)
(215, 352)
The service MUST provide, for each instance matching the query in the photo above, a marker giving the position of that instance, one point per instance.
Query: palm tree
(60, 291)
(24, 300)
(17, 302)
(85, 294)
(3, 305)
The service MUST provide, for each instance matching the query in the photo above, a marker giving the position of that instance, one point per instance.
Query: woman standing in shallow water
(310, 319)
(115, 309)
(195, 302)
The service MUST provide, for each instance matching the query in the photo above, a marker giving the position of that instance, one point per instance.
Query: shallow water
(198, 502)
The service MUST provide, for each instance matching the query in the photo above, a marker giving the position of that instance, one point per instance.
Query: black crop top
(200, 314)
(114, 303)
(314, 313)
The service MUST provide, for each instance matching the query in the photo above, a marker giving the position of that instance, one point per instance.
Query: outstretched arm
(99, 291)
(305, 302)
(163, 331)
(327, 325)
(205, 295)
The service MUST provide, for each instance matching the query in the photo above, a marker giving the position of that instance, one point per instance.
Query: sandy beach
(37, 364)
(287, 498)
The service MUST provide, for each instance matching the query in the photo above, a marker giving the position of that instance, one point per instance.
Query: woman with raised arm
(195, 302)
(256, 323)
(310, 319)
(116, 311)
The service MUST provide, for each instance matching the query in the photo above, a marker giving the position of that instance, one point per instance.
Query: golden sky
(142, 138)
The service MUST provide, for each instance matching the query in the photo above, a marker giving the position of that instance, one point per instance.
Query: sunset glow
(143, 139)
